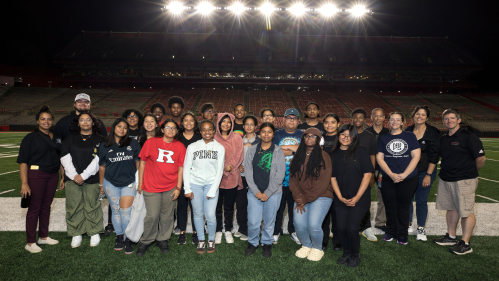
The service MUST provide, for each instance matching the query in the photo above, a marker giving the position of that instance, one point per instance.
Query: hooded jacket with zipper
(234, 154)
(277, 171)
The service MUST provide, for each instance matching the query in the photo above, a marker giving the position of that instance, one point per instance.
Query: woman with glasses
(267, 115)
(134, 119)
(208, 111)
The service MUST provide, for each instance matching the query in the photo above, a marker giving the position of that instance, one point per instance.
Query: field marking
(9, 145)
(487, 179)
(7, 191)
(9, 154)
(493, 200)
(9, 172)
(492, 159)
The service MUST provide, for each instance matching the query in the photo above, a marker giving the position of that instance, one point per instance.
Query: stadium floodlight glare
(205, 8)
(297, 9)
(237, 8)
(358, 11)
(175, 7)
(328, 10)
(267, 8)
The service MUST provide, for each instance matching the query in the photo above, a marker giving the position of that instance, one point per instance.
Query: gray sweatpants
(158, 223)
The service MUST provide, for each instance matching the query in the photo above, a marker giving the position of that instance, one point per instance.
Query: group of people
(323, 172)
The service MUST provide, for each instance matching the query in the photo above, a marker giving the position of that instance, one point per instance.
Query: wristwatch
(428, 174)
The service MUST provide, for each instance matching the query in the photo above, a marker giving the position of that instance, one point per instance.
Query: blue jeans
(421, 197)
(308, 225)
(258, 210)
(120, 217)
(203, 206)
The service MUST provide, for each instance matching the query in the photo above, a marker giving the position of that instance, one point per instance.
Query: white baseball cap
(82, 96)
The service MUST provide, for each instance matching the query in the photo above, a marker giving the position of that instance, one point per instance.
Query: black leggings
(330, 219)
(242, 208)
(287, 197)
(348, 221)
(227, 198)
(183, 204)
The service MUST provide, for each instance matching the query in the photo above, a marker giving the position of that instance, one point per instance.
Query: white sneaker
(244, 238)
(294, 237)
(33, 248)
(218, 237)
(177, 231)
(76, 242)
(368, 233)
(48, 241)
(410, 229)
(228, 237)
(276, 238)
(94, 240)
(238, 234)
(421, 234)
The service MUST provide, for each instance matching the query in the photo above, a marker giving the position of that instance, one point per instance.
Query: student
(312, 113)
(203, 170)
(208, 111)
(80, 159)
(310, 183)
(398, 157)
(150, 129)
(231, 180)
(267, 115)
(239, 113)
(158, 110)
(428, 138)
(39, 164)
(176, 106)
(250, 139)
(188, 134)
(352, 171)
(119, 161)
(135, 120)
(160, 179)
(265, 170)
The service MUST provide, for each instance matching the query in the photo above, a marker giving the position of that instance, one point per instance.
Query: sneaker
(244, 237)
(324, 247)
(76, 242)
(177, 231)
(381, 227)
(181, 239)
(95, 240)
(128, 246)
(303, 252)
(119, 243)
(238, 234)
(211, 247)
(33, 248)
(228, 237)
(267, 251)
(402, 240)
(421, 234)
(250, 249)
(163, 246)
(387, 237)
(195, 239)
(142, 249)
(459, 249)
(331, 234)
(108, 230)
(446, 240)
(410, 230)
(343, 259)
(294, 237)
(353, 261)
(276, 238)
(337, 247)
(48, 241)
(200, 248)
(315, 255)
(368, 233)
(218, 237)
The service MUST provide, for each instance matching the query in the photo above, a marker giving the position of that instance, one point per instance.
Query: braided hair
(315, 161)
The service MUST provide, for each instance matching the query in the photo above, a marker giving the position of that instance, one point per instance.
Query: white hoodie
(204, 165)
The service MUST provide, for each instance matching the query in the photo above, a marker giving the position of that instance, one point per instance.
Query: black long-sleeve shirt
(62, 127)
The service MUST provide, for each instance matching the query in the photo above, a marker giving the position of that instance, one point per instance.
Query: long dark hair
(315, 161)
(331, 115)
(220, 123)
(182, 129)
(74, 128)
(353, 135)
(124, 141)
(127, 112)
(143, 133)
(176, 126)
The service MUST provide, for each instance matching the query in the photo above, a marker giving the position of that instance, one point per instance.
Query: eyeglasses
(311, 137)
(292, 118)
(85, 120)
(83, 101)
(268, 115)
(132, 116)
(169, 128)
(345, 137)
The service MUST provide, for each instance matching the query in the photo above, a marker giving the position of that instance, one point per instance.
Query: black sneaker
(163, 246)
(267, 251)
(142, 249)
(343, 259)
(128, 246)
(353, 261)
(118, 243)
(250, 249)
(337, 247)
(108, 230)
(181, 239)
(195, 239)
(461, 248)
(445, 240)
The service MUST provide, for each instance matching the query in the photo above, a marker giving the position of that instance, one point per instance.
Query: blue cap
(292, 111)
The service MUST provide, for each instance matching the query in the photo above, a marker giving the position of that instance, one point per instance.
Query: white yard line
(7, 191)
(9, 172)
(492, 159)
(487, 179)
(493, 200)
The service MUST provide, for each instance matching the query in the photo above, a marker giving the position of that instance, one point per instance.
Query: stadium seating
(367, 101)
(189, 97)
(224, 100)
(277, 100)
(327, 103)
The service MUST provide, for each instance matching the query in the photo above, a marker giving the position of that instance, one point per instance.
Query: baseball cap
(292, 111)
(82, 96)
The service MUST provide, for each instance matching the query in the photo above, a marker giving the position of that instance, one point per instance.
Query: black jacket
(430, 145)
(62, 127)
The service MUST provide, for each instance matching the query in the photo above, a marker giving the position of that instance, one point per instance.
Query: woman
(187, 135)
(398, 157)
(160, 179)
(80, 160)
(150, 129)
(231, 180)
(352, 171)
(39, 164)
(134, 119)
(119, 161)
(265, 169)
(429, 140)
(267, 115)
(310, 184)
(203, 170)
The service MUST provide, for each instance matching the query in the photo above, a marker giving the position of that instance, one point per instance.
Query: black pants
(183, 204)
(287, 197)
(398, 199)
(330, 219)
(227, 198)
(242, 208)
(109, 216)
(348, 220)
(366, 220)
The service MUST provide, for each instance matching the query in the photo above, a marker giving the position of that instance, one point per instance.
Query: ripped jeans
(120, 216)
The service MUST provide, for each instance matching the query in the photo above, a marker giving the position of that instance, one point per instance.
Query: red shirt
(162, 163)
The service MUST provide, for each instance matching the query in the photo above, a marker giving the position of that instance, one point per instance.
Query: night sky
(44, 27)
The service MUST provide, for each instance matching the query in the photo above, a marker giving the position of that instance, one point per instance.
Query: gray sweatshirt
(277, 171)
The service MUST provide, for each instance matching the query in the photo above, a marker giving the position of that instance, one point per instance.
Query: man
(158, 110)
(239, 113)
(176, 106)
(288, 139)
(368, 141)
(378, 117)
(462, 156)
(208, 111)
(312, 114)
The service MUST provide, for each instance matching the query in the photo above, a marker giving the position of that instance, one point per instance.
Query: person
(176, 105)
(135, 120)
(231, 179)
(267, 115)
(367, 140)
(239, 113)
(119, 161)
(429, 141)
(203, 170)
(312, 115)
(398, 156)
(150, 129)
(39, 164)
(378, 130)
(208, 111)
(288, 140)
(463, 156)
(160, 181)
(250, 139)
(188, 134)
(310, 183)
(265, 169)
(158, 110)
(352, 171)
(80, 159)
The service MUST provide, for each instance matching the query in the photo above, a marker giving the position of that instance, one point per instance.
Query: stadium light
(175, 7)
(205, 8)
(297, 9)
(267, 8)
(237, 8)
(358, 11)
(328, 10)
